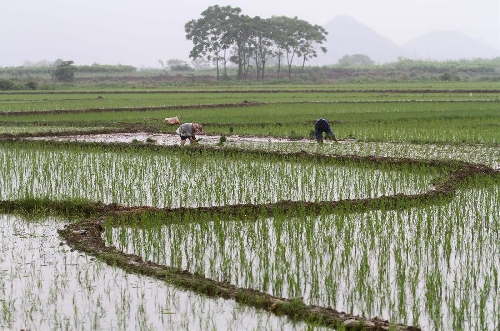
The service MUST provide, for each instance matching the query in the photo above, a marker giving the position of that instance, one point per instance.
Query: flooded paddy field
(474, 153)
(191, 178)
(47, 285)
(432, 266)
(106, 223)
(397, 262)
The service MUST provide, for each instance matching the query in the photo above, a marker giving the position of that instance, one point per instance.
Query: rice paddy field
(107, 223)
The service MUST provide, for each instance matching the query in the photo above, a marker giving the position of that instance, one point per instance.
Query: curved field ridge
(90, 241)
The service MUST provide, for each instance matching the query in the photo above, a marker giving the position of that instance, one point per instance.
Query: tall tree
(239, 35)
(280, 38)
(64, 72)
(223, 30)
(263, 43)
(209, 34)
(288, 38)
(309, 37)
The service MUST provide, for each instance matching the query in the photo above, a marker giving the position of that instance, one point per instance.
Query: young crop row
(177, 178)
(48, 286)
(62, 101)
(427, 122)
(423, 266)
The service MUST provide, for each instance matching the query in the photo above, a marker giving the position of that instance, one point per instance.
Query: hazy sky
(140, 32)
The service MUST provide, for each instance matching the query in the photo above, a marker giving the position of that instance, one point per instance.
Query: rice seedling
(174, 180)
(45, 285)
(327, 225)
(400, 264)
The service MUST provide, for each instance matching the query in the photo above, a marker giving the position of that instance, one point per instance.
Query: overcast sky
(140, 32)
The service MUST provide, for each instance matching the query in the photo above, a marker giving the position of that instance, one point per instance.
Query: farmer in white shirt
(189, 131)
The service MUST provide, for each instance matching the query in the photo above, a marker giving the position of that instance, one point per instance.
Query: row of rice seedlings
(96, 100)
(433, 122)
(47, 286)
(185, 180)
(434, 266)
(423, 132)
(429, 122)
(474, 153)
(481, 154)
(22, 129)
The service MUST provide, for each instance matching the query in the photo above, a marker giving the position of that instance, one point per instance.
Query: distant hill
(346, 36)
(447, 45)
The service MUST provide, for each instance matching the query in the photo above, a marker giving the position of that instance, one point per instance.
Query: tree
(239, 34)
(58, 62)
(310, 36)
(178, 65)
(296, 38)
(284, 42)
(64, 72)
(223, 30)
(263, 43)
(356, 60)
(209, 34)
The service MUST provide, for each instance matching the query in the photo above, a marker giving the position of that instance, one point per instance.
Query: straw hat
(171, 120)
(198, 128)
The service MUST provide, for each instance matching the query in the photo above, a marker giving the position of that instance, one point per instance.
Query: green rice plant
(128, 178)
(46, 285)
(429, 263)
(102, 99)
(360, 115)
(399, 257)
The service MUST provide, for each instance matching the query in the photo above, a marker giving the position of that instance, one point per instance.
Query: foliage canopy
(223, 34)
(64, 72)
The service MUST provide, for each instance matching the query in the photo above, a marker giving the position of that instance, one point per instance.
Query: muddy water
(46, 286)
(164, 139)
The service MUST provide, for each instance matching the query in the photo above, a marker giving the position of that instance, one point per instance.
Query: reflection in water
(45, 286)
(434, 266)
(178, 180)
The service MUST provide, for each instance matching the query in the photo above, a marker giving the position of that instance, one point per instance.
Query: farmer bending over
(321, 126)
(189, 131)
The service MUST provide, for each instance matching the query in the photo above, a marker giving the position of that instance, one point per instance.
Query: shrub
(65, 72)
(31, 85)
(7, 85)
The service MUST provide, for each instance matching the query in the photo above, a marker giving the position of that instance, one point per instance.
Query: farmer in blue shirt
(321, 126)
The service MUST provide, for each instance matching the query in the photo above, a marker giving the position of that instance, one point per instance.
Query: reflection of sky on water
(169, 180)
(46, 286)
(435, 266)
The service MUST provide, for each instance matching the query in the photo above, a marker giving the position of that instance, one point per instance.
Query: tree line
(224, 34)
(28, 71)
